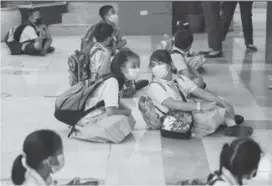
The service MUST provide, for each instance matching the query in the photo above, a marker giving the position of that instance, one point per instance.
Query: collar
(181, 51)
(32, 174)
(164, 81)
(98, 45)
(228, 177)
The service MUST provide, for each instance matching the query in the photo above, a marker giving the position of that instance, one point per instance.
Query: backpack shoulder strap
(213, 178)
(176, 52)
(94, 51)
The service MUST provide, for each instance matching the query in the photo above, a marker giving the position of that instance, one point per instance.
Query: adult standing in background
(228, 8)
(212, 20)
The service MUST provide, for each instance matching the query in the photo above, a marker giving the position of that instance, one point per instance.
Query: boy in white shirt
(100, 54)
(35, 37)
(182, 44)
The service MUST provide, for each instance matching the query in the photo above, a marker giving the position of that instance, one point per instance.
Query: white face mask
(160, 71)
(114, 19)
(56, 168)
(132, 74)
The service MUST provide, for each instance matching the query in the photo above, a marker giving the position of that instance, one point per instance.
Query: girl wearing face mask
(169, 91)
(239, 161)
(42, 156)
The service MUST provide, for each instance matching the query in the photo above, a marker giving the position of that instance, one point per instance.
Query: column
(268, 53)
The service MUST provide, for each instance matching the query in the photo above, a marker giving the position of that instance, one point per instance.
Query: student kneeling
(30, 38)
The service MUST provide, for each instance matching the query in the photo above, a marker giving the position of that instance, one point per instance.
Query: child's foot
(239, 119)
(238, 131)
(43, 52)
(50, 49)
(251, 48)
(201, 70)
(141, 84)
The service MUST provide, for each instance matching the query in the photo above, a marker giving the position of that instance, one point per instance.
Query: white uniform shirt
(169, 90)
(33, 178)
(178, 60)
(98, 59)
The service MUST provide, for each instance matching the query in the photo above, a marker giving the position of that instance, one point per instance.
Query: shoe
(201, 70)
(141, 84)
(209, 55)
(204, 85)
(251, 48)
(50, 49)
(239, 119)
(238, 131)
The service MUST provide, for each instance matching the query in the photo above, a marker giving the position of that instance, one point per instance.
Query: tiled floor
(30, 84)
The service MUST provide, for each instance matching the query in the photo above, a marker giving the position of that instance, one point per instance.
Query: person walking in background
(228, 8)
(212, 20)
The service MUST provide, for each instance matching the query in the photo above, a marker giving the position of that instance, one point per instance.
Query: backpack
(12, 39)
(79, 64)
(70, 105)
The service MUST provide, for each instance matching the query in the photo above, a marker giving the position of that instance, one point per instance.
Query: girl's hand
(230, 110)
(207, 106)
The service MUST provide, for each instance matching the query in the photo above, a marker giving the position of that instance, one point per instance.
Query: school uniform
(158, 93)
(179, 60)
(226, 179)
(162, 89)
(99, 55)
(33, 178)
(108, 92)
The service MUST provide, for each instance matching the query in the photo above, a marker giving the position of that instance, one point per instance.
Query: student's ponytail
(18, 171)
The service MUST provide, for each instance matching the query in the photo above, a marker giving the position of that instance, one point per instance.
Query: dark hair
(102, 31)
(118, 60)
(161, 55)
(31, 12)
(38, 146)
(240, 157)
(183, 39)
(104, 10)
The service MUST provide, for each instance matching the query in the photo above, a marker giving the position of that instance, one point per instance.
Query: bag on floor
(149, 114)
(112, 129)
(70, 105)
(12, 39)
(206, 122)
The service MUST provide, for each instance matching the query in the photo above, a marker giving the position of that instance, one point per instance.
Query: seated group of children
(176, 86)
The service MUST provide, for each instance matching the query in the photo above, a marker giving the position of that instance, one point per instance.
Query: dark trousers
(212, 20)
(228, 9)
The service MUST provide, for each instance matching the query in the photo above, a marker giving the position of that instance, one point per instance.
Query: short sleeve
(190, 85)
(110, 94)
(29, 33)
(157, 93)
(179, 62)
(97, 59)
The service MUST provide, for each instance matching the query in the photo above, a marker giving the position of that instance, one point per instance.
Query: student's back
(100, 55)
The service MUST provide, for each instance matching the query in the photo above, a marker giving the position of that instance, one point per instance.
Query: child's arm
(120, 41)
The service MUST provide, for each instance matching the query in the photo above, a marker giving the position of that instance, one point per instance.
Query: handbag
(176, 124)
